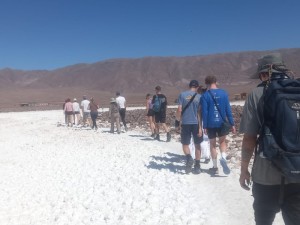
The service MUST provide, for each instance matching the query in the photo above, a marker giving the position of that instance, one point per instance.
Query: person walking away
(189, 113)
(69, 112)
(272, 190)
(150, 114)
(66, 117)
(121, 101)
(159, 102)
(93, 107)
(76, 112)
(216, 111)
(114, 116)
(85, 111)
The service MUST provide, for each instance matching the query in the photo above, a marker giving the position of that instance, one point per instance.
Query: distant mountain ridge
(138, 74)
(134, 78)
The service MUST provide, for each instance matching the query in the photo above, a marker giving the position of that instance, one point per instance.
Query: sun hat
(112, 100)
(272, 63)
(74, 99)
(194, 83)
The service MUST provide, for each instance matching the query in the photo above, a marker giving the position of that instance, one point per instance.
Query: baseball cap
(193, 83)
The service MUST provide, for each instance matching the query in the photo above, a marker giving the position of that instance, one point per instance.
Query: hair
(68, 100)
(210, 80)
(92, 99)
(148, 95)
(158, 88)
(201, 90)
(84, 97)
(118, 93)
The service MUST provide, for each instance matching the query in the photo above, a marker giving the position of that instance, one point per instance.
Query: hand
(177, 123)
(233, 130)
(245, 180)
(200, 133)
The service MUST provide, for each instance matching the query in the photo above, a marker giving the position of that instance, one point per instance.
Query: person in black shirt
(160, 115)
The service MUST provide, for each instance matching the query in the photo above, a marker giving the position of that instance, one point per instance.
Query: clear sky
(49, 34)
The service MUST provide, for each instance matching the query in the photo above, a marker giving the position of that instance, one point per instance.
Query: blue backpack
(157, 104)
(279, 139)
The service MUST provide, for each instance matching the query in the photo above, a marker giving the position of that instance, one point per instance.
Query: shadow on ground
(174, 163)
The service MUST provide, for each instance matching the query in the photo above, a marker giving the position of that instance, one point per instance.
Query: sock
(215, 163)
(188, 156)
(197, 162)
(223, 155)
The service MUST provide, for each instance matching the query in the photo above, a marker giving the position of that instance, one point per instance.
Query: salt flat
(60, 175)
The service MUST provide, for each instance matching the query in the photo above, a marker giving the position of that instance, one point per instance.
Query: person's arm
(179, 108)
(199, 115)
(204, 113)
(248, 146)
(229, 114)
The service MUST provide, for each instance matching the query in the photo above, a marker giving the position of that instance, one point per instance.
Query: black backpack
(279, 138)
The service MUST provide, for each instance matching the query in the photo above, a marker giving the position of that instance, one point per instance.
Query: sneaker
(223, 163)
(157, 137)
(153, 135)
(168, 137)
(197, 168)
(214, 170)
(189, 165)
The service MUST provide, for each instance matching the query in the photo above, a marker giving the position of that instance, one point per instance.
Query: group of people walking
(270, 123)
(156, 107)
(200, 113)
(276, 166)
(85, 114)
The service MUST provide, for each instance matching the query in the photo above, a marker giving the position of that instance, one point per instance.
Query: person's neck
(193, 89)
(213, 86)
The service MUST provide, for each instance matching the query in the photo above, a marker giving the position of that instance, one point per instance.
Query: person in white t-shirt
(121, 101)
(76, 112)
(85, 111)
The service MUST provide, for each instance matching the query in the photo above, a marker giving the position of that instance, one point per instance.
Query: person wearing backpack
(217, 121)
(276, 167)
(159, 106)
(189, 113)
(114, 116)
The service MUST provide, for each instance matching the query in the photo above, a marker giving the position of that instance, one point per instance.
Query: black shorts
(160, 117)
(214, 132)
(150, 112)
(189, 130)
(69, 113)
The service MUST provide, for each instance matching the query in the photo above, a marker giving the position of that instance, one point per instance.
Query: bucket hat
(272, 63)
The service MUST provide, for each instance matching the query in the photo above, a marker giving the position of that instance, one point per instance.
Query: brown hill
(135, 77)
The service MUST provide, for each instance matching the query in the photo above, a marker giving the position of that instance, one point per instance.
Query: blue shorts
(189, 130)
(214, 132)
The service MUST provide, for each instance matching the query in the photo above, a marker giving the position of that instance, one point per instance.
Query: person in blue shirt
(213, 116)
(190, 125)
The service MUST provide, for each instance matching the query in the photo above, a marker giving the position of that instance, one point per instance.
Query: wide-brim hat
(112, 100)
(74, 99)
(272, 63)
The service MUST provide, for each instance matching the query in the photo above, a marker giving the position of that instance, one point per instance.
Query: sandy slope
(58, 175)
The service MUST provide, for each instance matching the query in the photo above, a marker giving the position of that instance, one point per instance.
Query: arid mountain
(135, 77)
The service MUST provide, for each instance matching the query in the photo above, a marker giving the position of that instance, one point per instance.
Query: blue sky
(49, 34)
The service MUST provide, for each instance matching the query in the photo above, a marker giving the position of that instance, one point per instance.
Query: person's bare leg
(222, 143)
(197, 151)
(213, 151)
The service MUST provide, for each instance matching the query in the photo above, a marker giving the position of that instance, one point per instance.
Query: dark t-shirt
(163, 100)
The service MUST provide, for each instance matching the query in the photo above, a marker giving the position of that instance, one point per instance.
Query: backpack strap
(187, 105)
